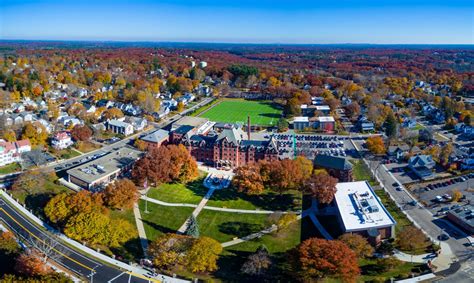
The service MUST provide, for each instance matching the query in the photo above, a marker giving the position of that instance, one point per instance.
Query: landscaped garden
(262, 113)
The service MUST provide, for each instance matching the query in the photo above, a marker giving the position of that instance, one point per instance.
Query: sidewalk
(141, 229)
(197, 210)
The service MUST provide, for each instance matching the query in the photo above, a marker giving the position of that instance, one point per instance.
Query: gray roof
(421, 160)
(232, 135)
(339, 163)
(118, 123)
(465, 214)
(157, 136)
(105, 165)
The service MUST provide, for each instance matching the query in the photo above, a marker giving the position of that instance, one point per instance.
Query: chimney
(248, 127)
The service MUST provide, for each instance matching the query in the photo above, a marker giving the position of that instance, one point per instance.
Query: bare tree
(48, 248)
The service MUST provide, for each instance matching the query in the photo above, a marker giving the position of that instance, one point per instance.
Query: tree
(456, 196)
(180, 107)
(140, 144)
(81, 133)
(112, 113)
(88, 227)
(322, 187)
(391, 125)
(62, 206)
(9, 135)
(121, 194)
(353, 110)
(203, 255)
(30, 265)
(257, 264)
(376, 145)
(119, 231)
(46, 248)
(165, 164)
(8, 244)
(319, 258)
(411, 239)
(358, 244)
(282, 125)
(169, 250)
(193, 227)
(286, 220)
(445, 153)
(35, 132)
(248, 179)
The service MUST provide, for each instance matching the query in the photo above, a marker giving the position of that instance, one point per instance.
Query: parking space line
(116, 277)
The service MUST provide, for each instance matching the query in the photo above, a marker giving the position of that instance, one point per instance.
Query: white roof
(322, 107)
(359, 208)
(301, 119)
(326, 119)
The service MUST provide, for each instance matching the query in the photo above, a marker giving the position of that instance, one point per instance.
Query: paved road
(82, 265)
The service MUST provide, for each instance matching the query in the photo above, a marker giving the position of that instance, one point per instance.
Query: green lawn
(361, 172)
(371, 271)
(224, 226)
(163, 219)
(10, 168)
(261, 113)
(132, 249)
(193, 192)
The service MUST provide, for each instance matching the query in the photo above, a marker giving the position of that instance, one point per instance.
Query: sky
(242, 21)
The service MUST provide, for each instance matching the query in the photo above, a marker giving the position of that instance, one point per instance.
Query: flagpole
(146, 196)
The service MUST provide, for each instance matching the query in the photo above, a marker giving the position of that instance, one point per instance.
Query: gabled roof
(333, 162)
(421, 160)
(232, 135)
(157, 136)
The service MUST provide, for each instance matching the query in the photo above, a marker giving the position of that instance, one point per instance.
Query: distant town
(273, 163)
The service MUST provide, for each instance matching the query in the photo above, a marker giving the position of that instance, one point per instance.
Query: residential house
(364, 124)
(300, 123)
(119, 127)
(422, 165)
(409, 123)
(399, 151)
(61, 140)
(138, 123)
(10, 152)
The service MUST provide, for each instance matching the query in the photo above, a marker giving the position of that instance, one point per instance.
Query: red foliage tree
(322, 187)
(319, 258)
(81, 133)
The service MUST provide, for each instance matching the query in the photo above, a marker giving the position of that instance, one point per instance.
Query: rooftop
(190, 121)
(339, 163)
(105, 165)
(465, 214)
(157, 136)
(301, 119)
(359, 207)
(326, 119)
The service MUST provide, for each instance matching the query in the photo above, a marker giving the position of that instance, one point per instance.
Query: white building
(360, 211)
(202, 64)
(120, 127)
(10, 152)
(61, 140)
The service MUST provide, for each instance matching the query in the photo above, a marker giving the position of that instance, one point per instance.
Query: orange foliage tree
(376, 145)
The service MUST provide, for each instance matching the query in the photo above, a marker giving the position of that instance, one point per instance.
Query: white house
(120, 127)
(10, 152)
(61, 140)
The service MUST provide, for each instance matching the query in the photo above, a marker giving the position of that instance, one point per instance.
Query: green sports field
(261, 113)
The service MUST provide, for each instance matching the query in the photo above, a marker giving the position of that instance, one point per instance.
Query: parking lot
(437, 195)
(310, 145)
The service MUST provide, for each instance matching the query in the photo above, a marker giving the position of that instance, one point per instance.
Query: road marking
(129, 278)
(116, 277)
(1, 202)
(39, 239)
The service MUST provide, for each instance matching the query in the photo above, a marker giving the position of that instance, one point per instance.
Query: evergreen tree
(391, 126)
(282, 125)
(193, 227)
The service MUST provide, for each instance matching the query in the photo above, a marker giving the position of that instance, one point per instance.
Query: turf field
(261, 113)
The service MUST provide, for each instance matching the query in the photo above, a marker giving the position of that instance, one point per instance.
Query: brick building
(338, 167)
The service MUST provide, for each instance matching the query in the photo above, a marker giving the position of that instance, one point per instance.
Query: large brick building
(338, 167)
(227, 149)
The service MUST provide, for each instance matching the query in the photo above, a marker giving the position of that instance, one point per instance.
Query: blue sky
(245, 21)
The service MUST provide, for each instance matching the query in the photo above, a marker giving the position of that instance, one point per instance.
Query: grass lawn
(10, 168)
(194, 191)
(361, 172)
(261, 113)
(65, 153)
(224, 226)
(163, 219)
(198, 111)
(371, 271)
(132, 249)
(85, 147)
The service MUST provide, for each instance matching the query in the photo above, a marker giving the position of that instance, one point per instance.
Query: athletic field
(261, 113)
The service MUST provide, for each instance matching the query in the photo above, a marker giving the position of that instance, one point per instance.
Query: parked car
(443, 237)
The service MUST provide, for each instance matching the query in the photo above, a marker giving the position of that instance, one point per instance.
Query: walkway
(141, 229)
(423, 258)
(197, 210)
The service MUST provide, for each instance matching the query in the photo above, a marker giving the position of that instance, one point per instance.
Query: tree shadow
(239, 229)
(130, 250)
(158, 227)
(270, 115)
(37, 202)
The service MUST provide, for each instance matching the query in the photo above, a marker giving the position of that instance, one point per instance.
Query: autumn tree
(257, 264)
(8, 243)
(411, 239)
(282, 125)
(35, 132)
(9, 135)
(445, 153)
(169, 250)
(112, 113)
(318, 258)
(81, 133)
(203, 255)
(29, 264)
(358, 244)
(121, 194)
(376, 145)
(456, 196)
(165, 164)
(322, 187)
(247, 179)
